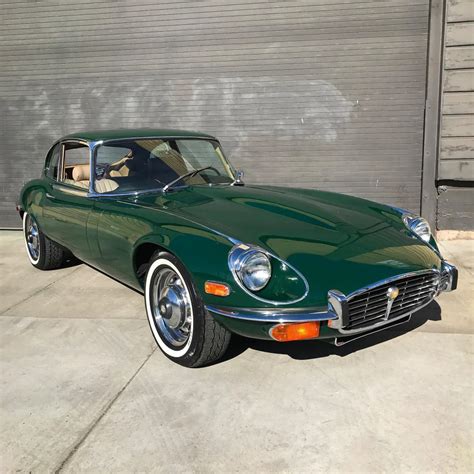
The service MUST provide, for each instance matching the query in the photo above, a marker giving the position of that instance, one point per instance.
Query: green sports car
(164, 212)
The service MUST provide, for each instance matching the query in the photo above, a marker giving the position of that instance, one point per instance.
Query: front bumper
(335, 315)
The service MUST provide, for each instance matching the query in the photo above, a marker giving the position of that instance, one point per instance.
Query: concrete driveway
(83, 387)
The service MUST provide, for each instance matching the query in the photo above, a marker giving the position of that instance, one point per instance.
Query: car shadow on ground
(71, 262)
(316, 349)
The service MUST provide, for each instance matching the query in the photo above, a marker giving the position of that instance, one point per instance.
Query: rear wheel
(42, 252)
(183, 329)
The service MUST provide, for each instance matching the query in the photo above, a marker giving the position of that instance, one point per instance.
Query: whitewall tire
(184, 331)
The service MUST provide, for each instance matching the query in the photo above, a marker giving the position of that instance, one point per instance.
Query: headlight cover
(251, 266)
(418, 226)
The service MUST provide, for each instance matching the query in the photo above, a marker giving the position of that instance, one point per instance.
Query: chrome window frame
(47, 160)
(61, 165)
(59, 184)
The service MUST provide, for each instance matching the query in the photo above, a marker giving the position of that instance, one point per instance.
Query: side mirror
(239, 176)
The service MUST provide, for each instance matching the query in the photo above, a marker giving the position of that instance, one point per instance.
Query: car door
(67, 207)
(116, 223)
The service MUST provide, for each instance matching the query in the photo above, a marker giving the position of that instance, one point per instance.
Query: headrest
(81, 173)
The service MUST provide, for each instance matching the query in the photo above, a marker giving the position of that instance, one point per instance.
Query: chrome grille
(370, 307)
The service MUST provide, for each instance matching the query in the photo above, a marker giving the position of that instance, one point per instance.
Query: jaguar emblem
(393, 292)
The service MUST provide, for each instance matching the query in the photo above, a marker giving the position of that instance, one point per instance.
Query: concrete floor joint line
(102, 413)
(38, 291)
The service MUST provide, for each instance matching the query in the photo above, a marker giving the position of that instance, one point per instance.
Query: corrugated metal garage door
(326, 94)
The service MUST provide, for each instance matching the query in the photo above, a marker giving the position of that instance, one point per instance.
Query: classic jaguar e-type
(164, 212)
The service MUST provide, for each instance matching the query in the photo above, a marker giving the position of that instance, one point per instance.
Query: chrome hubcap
(32, 238)
(171, 307)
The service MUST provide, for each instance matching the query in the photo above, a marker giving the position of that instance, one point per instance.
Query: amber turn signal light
(217, 289)
(295, 331)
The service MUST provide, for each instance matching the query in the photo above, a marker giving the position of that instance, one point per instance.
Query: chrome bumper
(336, 312)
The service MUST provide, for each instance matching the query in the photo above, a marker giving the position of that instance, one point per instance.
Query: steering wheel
(102, 170)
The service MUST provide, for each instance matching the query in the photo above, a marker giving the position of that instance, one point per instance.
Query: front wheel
(183, 329)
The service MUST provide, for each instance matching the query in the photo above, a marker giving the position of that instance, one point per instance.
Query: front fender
(204, 252)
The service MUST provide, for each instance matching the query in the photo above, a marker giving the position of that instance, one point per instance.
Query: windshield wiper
(189, 174)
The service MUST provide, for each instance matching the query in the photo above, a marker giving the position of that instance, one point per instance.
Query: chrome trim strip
(282, 311)
(69, 189)
(278, 316)
(167, 137)
(338, 303)
(136, 194)
(75, 140)
(93, 145)
(94, 194)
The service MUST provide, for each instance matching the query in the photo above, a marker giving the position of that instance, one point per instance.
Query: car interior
(77, 168)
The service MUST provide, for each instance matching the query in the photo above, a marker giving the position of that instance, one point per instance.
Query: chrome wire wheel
(32, 238)
(171, 307)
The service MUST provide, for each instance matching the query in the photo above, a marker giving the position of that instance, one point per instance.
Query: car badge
(393, 292)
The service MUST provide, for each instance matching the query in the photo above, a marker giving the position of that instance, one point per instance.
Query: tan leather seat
(118, 173)
(105, 185)
(123, 167)
(81, 175)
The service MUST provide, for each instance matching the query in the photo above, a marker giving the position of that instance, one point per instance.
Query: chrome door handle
(50, 196)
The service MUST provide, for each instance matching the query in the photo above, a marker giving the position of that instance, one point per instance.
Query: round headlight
(419, 226)
(253, 269)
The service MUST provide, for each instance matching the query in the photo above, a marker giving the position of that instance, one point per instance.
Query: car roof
(125, 133)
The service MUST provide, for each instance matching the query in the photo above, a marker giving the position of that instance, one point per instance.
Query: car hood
(327, 236)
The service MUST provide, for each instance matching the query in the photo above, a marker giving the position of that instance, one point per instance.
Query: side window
(76, 165)
(114, 165)
(52, 163)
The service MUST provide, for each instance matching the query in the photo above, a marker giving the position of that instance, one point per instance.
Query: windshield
(146, 164)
